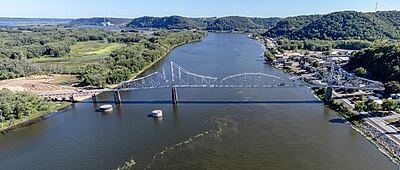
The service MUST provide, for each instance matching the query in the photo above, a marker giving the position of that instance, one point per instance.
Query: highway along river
(284, 129)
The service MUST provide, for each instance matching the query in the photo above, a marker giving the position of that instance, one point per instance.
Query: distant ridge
(223, 23)
(10, 21)
(171, 22)
(100, 20)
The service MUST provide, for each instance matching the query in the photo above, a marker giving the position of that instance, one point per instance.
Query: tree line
(125, 62)
(53, 41)
(15, 105)
(212, 24)
(382, 62)
(322, 45)
(19, 44)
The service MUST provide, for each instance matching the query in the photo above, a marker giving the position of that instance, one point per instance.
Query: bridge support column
(328, 94)
(117, 97)
(72, 99)
(174, 96)
(94, 98)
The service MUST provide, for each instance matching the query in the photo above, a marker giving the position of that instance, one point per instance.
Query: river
(211, 129)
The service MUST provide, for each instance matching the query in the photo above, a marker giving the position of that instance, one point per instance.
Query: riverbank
(31, 119)
(364, 125)
(145, 68)
(26, 121)
(361, 123)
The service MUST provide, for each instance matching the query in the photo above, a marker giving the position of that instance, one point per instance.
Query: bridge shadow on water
(211, 102)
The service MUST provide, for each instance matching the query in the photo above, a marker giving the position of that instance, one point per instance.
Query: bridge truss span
(339, 78)
(153, 80)
(254, 80)
(180, 77)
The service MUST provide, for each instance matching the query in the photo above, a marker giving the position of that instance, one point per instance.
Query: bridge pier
(72, 99)
(174, 96)
(94, 98)
(328, 94)
(117, 97)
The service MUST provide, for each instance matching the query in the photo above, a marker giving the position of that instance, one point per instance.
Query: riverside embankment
(377, 133)
(45, 84)
(280, 131)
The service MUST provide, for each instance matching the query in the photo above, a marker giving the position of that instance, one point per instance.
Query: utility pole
(376, 7)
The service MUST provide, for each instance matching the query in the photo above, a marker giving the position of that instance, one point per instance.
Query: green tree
(328, 52)
(15, 105)
(360, 72)
(373, 106)
(95, 75)
(315, 64)
(118, 75)
(360, 106)
(381, 61)
(269, 56)
(389, 105)
(392, 87)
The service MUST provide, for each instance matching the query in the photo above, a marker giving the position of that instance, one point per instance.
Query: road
(378, 122)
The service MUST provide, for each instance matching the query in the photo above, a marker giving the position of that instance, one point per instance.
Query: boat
(157, 113)
(106, 108)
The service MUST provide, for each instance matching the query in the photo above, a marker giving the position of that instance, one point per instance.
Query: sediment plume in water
(215, 135)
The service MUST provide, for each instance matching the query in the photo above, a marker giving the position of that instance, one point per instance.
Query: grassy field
(93, 49)
(84, 51)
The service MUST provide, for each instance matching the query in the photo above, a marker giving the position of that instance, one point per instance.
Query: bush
(360, 72)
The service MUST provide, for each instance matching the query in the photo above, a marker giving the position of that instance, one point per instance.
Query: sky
(188, 8)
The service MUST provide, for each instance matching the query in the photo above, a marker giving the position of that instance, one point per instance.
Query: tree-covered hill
(224, 23)
(381, 62)
(289, 27)
(266, 22)
(242, 23)
(99, 21)
(340, 25)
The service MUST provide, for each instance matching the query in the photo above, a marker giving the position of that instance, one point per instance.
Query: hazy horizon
(179, 15)
(189, 8)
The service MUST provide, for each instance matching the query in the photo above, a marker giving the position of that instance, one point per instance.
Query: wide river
(210, 129)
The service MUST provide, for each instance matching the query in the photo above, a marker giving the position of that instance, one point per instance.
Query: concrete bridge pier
(72, 99)
(328, 94)
(94, 98)
(117, 97)
(174, 96)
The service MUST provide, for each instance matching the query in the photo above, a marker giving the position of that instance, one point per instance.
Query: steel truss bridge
(179, 77)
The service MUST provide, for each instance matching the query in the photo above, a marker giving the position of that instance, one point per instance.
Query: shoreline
(146, 68)
(35, 119)
(63, 107)
(371, 133)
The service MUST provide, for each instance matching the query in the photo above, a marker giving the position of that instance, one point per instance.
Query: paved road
(378, 122)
